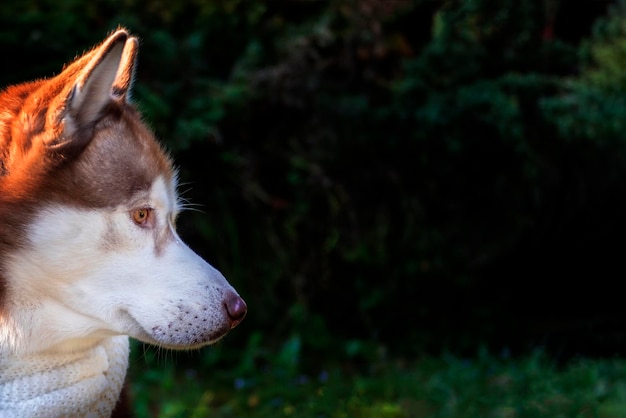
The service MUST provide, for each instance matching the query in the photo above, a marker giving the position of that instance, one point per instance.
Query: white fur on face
(94, 273)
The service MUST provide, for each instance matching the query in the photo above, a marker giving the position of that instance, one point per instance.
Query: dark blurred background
(406, 176)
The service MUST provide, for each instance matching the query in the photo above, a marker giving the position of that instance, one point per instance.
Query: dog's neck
(83, 383)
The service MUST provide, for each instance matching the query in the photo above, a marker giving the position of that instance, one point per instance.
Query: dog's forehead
(121, 162)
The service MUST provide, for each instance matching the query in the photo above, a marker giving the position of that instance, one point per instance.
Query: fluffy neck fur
(84, 383)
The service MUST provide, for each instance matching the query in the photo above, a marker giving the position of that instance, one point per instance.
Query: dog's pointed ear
(98, 79)
(93, 89)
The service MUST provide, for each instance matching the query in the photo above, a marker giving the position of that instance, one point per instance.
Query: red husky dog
(89, 253)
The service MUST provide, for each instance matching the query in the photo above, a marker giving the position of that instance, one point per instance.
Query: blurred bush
(414, 174)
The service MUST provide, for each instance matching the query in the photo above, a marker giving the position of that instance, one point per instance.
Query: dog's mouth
(134, 328)
(175, 336)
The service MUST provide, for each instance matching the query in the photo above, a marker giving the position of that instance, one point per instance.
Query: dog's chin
(184, 347)
(188, 342)
(181, 345)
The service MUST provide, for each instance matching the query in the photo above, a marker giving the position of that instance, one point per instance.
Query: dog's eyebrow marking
(163, 196)
(141, 198)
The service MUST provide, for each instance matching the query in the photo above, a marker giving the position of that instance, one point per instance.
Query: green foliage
(592, 105)
(604, 53)
(444, 387)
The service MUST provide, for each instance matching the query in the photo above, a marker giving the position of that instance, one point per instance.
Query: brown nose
(236, 309)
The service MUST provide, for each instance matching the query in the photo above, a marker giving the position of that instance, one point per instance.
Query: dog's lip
(139, 332)
(213, 338)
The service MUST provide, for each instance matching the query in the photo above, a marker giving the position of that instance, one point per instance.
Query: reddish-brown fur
(97, 162)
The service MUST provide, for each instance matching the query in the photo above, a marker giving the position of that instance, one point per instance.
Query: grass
(439, 387)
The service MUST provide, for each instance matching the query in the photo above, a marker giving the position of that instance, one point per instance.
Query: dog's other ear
(126, 71)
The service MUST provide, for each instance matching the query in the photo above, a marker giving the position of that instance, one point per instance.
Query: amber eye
(140, 216)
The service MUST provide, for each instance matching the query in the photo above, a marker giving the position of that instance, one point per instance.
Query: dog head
(88, 208)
